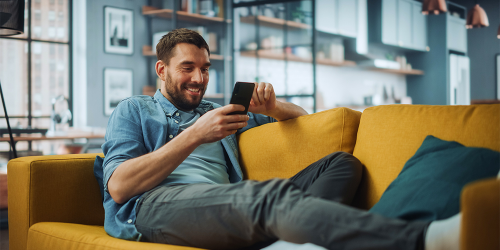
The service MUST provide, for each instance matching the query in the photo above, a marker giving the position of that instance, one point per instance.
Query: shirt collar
(170, 108)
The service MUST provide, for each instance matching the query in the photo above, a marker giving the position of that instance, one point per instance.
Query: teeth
(194, 90)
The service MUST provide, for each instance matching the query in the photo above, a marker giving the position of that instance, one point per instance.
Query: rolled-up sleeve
(124, 138)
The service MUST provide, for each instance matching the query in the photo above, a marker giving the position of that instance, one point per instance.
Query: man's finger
(268, 91)
(232, 108)
(260, 92)
(255, 98)
(236, 118)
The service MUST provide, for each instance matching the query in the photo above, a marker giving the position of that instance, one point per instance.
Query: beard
(177, 96)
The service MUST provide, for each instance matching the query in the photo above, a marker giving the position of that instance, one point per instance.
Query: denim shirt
(140, 125)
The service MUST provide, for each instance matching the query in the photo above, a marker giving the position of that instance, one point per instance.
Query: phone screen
(242, 94)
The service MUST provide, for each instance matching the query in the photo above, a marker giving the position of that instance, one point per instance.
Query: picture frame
(118, 30)
(117, 86)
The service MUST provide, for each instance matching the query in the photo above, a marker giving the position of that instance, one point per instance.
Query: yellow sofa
(54, 201)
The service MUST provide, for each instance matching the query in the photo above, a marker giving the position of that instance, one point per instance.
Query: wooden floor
(4, 240)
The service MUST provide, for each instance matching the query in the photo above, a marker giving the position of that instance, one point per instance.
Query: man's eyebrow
(208, 64)
(186, 62)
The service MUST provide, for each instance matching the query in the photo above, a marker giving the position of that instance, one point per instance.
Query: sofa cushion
(282, 149)
(429, 186)
(67, 236)
(389, 135)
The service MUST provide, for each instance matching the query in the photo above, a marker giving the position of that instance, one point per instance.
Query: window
(35, 66)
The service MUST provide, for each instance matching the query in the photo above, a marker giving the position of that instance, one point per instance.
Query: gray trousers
(309, 207)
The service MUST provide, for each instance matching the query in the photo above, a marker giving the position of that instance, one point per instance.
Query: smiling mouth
(194, 90)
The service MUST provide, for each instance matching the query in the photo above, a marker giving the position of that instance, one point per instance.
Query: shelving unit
(274, 22)
(147, 50)
(291, 57)
(181, 15)
(217, 27)
(265, 54)
(399, 71)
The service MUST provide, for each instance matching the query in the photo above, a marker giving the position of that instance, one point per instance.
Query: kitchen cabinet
(397, 23)
(404, 23)
(326, 20)
(419, 27)
(348, 17)
(456, 34)
(389, 22)
(338, 17)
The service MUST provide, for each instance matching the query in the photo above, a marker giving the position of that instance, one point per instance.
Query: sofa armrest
(480, 206)
(57, 188)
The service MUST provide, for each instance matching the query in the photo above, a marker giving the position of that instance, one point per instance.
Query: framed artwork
(117, 86)
(118, 31)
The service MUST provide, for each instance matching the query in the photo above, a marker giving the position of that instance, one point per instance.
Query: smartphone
(242, 94)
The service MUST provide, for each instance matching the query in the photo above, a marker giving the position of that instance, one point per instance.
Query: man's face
(186, 76)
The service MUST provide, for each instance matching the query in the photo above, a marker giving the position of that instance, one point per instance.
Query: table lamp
(11, 23)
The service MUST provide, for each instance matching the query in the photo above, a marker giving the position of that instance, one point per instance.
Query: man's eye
(204, 70)
(187, 68)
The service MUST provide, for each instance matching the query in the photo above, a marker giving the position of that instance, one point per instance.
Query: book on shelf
(212, 8)
(219, 8)
(210, 37)
(207, 8)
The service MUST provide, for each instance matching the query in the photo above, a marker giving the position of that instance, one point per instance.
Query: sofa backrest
(390, 135)
(283, 149)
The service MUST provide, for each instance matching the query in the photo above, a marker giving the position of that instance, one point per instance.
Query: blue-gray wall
(97, 60)
(483, 45)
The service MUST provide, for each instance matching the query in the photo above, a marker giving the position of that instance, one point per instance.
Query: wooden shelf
(148, 51)
(329, 62)
(181, 15)
(274, 22)
(399, 71)
(290, 57)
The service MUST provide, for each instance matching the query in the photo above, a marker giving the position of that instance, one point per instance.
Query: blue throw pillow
(429, 186)
(98, 173)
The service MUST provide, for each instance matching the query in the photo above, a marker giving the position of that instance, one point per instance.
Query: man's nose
(197, 76)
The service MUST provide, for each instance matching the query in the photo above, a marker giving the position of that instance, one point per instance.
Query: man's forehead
(183, 51)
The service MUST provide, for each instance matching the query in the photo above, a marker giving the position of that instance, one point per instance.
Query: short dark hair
(165, 48)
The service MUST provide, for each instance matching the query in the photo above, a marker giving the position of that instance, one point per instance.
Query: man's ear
(161, 69)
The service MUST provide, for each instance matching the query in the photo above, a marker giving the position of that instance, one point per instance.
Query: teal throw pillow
(429, 186)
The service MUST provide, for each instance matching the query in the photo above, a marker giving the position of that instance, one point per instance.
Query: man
(171, 172)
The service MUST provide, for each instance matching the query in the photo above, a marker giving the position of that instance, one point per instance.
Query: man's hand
(264, 102)
(263, 99)
(217, 124)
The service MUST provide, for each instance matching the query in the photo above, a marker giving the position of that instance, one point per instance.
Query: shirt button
(129, 221)
(177, 114)
(168, 114)
(176, 121)
(170, 136)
